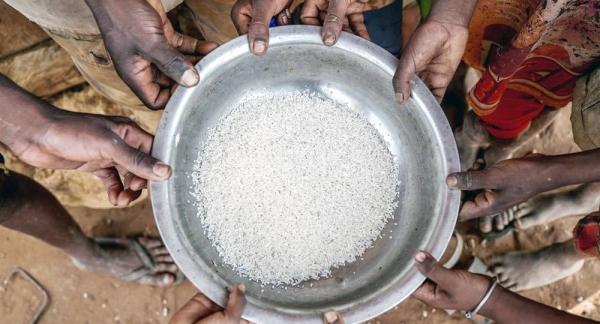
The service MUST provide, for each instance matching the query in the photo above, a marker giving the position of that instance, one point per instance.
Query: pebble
(579, 299)
(424, 313)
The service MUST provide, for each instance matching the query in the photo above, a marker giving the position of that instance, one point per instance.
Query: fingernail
(399, 97)
(242, 288)
(288, 13)
(259, 46)
(451, 181)
(420, 256)
(329, 39)
(190, 78)
(160, 169)
(331, 317)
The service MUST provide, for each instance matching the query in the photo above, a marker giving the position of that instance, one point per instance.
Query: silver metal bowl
(356, 72)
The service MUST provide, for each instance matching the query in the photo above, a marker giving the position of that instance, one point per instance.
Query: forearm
(507, 307)
(453, 11)
(20, 112)
(570, 169)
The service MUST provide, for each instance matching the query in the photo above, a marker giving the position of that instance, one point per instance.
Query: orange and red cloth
(530, 53)
(586, 235)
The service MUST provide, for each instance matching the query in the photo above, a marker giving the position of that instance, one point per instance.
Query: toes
(485, 224)
(171, 268)
(160, 251)
(160, 280)
(163, 259)
(522, 210)
(150, 243)
(498, 223)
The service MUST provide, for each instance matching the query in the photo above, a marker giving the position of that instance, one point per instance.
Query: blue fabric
(384, 26)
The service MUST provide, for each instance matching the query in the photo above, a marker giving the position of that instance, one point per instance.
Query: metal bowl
(356, 72)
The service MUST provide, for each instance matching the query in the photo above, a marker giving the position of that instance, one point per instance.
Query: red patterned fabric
(586, 235)
(531, 53)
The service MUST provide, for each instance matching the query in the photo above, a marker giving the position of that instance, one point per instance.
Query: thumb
(334, 21)
(174, 64)
(431, 269)
(138, 162)
(470, 180)
(332, 317)
(258, 31)
(236, 304)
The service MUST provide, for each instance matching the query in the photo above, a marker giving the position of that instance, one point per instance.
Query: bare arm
(45, 136)
(513, 181)
(462, 290)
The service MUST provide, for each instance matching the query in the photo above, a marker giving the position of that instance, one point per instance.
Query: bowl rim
(166, 139)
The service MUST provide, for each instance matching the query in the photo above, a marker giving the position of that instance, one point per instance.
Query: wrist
(23, 116)
(453, 12)
(493, 306)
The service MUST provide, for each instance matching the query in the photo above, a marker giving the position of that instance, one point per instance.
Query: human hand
(333, 317)
(147, 52)
(253, 17)
(104, 146)
(433, 53)
(201, 310)
(335, 15)
(503, 185)
(449, 289)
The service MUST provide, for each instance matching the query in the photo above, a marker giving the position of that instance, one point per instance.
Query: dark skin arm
(462, 290)
(147, 52)
(44, 136)
(513, 181)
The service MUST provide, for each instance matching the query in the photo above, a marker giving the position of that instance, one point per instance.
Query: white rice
(289, 186)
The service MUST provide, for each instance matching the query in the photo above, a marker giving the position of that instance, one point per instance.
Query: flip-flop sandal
(148, 266)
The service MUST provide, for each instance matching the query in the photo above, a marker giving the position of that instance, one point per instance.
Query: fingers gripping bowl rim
(355, 72)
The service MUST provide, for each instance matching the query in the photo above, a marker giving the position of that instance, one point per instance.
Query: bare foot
(470, 138)
(523, 271)
(120, 259)
(546, 208)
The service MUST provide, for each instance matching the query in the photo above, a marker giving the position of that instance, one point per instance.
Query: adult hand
(335, 16)
(201, 310)
(435, 49)
(147, 52)
(449, 289)
(104, 146)
(503, 185)
(253, 17)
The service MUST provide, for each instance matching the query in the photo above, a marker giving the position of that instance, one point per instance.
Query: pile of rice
(289, 186)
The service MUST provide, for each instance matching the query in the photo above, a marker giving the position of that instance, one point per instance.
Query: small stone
(579, 299)
(165, 312)
(116, 318)
(164, 301)
(103, 305)
(424, 313)
(433, 310)
(85, 295)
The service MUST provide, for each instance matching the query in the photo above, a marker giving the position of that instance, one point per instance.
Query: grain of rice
(289, 186)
